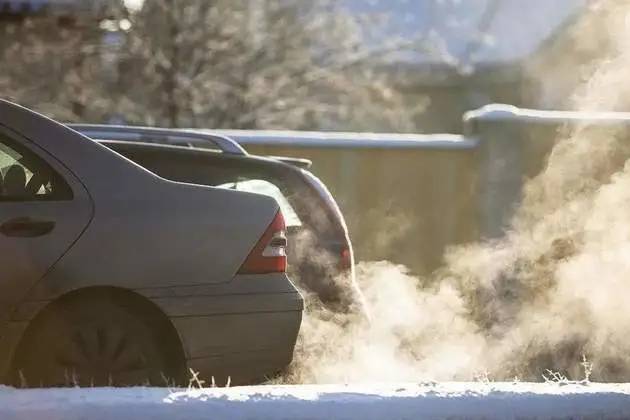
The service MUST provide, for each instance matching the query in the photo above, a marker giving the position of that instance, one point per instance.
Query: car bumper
(245, 329)
(245, 348)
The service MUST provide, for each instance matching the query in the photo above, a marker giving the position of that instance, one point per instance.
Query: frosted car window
(260, 186)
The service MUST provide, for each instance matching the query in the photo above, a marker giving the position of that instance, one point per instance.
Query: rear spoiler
(299, 162)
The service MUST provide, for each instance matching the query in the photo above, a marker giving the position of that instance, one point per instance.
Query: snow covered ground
(364, 402)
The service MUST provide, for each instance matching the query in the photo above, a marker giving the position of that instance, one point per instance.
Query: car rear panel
(244, 329)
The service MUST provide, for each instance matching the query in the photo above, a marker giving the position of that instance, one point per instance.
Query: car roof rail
(169, 136)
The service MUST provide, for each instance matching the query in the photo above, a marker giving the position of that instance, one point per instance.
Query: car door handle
(26, 227)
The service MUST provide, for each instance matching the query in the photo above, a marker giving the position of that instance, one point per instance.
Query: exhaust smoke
(550, 294)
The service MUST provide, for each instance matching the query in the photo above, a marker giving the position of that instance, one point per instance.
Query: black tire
(94, 341)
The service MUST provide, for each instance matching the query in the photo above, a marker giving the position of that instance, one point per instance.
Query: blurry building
(463, 55)
(566, 60)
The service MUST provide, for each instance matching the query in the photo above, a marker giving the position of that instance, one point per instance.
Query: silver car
(112, 275)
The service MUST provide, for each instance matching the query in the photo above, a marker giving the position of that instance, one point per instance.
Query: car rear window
(265, 187)
(299, 200)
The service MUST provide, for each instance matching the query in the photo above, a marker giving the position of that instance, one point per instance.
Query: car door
(43, 210)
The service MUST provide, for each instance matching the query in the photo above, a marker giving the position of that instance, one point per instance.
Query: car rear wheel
(93, 341)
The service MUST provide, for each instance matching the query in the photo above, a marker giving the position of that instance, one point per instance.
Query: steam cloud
(555, 288)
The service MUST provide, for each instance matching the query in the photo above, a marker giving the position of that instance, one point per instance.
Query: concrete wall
(405, 198)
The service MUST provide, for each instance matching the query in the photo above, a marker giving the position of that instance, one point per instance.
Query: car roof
(181, 137)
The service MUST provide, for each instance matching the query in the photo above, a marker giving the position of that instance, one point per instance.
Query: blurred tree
(255, 64)
(53, 61)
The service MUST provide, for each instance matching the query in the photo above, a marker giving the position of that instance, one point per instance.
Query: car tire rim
(102, 355)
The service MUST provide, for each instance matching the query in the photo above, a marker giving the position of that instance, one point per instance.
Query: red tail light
(345, 262)
(269, 255)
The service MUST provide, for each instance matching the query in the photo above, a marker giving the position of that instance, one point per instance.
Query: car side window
(264, 187)
(24, 176)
